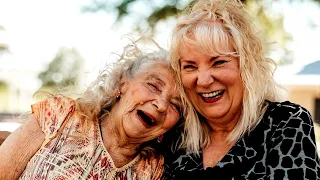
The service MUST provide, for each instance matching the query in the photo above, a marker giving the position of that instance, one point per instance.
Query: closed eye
(177, 106)
(153, 86)
(188, 67)
(219, 62)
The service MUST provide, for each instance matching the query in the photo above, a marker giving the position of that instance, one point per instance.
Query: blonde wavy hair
(211, 25)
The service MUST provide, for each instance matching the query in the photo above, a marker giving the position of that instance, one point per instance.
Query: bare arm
(3, 136)
(19, 147)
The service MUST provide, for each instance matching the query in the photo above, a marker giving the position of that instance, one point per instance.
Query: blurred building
(17, 84)
(302, 86)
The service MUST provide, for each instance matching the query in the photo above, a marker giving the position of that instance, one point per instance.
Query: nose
(205, 78)
(161, 104)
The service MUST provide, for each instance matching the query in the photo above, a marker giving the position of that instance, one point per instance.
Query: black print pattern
(282, 146)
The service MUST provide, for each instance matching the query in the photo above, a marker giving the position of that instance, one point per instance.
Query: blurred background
(55, 44)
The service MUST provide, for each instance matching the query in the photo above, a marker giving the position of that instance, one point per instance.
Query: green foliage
(64, 70)
(4, 96)
(2, 45)
(271, 26)
(162, 13)
(3, 86)
(123, 9)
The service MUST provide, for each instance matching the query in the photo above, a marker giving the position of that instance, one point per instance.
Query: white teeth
(211, 95)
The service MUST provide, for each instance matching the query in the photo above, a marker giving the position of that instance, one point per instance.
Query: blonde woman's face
(213, 85)
(149, 105)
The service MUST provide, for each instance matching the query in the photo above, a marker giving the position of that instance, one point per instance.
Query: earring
(160, 139)
(117, 93)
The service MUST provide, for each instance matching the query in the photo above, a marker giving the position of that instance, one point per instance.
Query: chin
(215, 113)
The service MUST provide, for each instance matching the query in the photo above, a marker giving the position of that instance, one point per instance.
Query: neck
(219, 138)
(221, 128)
(121, 150)
(225, 124)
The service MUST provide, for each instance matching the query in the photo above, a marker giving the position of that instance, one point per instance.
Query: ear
(124, 85)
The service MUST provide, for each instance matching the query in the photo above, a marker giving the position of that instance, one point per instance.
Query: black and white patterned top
(282, 146)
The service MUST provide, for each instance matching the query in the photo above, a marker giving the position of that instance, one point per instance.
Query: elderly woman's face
(149, 104)
(213, 84)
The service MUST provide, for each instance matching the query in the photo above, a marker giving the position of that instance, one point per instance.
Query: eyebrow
(187, 61)
(213, 58)
(155, 77)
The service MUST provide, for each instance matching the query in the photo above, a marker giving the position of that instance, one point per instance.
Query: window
(317, 111)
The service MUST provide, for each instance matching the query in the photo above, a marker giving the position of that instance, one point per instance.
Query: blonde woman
(236, 129)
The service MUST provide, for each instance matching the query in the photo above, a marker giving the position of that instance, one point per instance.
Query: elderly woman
(107, 133)
(237, 128)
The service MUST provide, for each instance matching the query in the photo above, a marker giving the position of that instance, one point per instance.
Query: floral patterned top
(71, 151)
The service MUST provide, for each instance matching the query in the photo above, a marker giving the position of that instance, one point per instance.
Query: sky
(35, 29)
(298, 19)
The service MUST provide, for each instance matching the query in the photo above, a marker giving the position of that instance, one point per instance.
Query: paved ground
(8, 117)
(8, 121)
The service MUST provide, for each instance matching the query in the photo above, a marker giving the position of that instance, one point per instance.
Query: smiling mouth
(212, 95)
(148, 120)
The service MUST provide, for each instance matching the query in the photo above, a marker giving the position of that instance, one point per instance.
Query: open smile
(146, 119)
(212, 96)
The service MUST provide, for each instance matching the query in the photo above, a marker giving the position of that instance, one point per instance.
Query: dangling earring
(117, 93)
(160, 139)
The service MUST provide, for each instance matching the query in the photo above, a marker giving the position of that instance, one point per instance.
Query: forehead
(207, 38)
(187, 49)
(160, 71)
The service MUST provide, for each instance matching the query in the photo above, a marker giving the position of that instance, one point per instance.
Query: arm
(19, 147)
(3, 136)
(293, 151)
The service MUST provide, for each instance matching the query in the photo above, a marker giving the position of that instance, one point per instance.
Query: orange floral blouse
(69, 154)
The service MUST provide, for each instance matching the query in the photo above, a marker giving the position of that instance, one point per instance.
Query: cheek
(239, 89)
(230, 77)
(188, 80)
(171, 119)
(235, 85)
(237, 82)
(127, 106)
(138, 93)
(130, 99)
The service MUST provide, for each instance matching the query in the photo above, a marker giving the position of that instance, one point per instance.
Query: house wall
(305, 96)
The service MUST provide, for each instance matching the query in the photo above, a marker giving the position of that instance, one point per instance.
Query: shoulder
(289, 123)
(281, 114)
(52, 112)
(59, 100)
(292, 141)
(288, 107)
